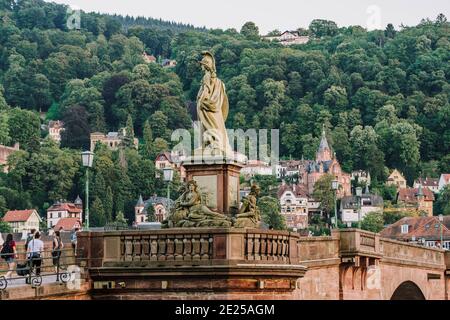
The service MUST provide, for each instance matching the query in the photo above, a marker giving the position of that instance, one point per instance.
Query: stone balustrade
(191, 246)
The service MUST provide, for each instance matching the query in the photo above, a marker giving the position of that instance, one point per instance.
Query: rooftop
(410, 194)
(67, 224)
(65, 206)
(298, 190)
(18, 215)
(427, 182)
(418, 227)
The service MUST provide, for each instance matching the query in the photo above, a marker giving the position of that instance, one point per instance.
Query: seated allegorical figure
(191, 212)
(249, 215)
(178, 212)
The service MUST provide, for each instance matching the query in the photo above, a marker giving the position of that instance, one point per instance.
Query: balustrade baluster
(178, 247)
(162, 248)
(153, 248)
(145, 245)
(122, 249)
(257, 247)
(170, 248)
(195, 247)
(274, 248)
(137, 249)
(264, 247)
(204, 248)
(187, 250)
(128, 248)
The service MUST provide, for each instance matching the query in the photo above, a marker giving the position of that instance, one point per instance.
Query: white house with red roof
(430, 183)
(64, 209)
(22, 221)
(170, 160)
(294, 205)
(444, 180)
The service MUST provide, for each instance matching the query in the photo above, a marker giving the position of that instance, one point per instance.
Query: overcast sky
(273, 14)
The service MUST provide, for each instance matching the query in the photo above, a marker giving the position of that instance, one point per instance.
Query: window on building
(405, 228)
(446, 245)
(430, 243)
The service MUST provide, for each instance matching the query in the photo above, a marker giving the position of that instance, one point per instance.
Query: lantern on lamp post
(358, 191)
(335, 186)
(168, 176)
(87, 158)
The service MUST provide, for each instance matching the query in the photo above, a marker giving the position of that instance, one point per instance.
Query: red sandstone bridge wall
(402, 262)
(256, 264)
(321, 256)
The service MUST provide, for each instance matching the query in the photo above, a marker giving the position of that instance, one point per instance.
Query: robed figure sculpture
(212, 109)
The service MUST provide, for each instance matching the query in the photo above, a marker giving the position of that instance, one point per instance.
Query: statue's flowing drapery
(212, 111)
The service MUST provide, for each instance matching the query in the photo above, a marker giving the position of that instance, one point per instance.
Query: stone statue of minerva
(212, 108)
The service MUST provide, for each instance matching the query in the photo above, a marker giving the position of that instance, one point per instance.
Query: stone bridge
(260, 264)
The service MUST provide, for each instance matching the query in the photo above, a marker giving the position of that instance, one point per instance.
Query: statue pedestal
(218, 180)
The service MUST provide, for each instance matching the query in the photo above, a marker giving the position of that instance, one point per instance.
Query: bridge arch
(408, 290)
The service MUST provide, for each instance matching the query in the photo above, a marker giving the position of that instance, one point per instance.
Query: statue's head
(192, 185)
(255, 189)
(208, 61)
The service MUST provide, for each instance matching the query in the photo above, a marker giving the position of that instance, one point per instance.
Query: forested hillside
(383, 97)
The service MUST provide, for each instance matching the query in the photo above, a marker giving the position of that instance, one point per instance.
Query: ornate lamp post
(87, 158)
(441, 220)
(358, 191)
(335, 186)
(168, 176)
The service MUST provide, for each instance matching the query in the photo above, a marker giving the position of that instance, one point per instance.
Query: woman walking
(9, 254)
(58, 245)
(35, 250)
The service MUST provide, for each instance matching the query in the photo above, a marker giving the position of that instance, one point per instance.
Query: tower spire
(324, 151)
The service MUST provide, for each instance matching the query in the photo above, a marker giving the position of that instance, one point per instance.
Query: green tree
(5, 227)
(4, 129)
(147, 136)
(443, 201)
(98, 218)
(321, 28)
(151, 214)
(128, 140)
(3, 105)
(365, 152)
(250, 31)
(270, 211)
(324, 193)
(108, 204)
(373, 221)
(76, 132)
(24, 127)
(120, 218)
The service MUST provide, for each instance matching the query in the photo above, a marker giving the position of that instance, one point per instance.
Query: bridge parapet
(359, 246)
(404, 253)
(247, 263)
(318, 251)
(193, 246)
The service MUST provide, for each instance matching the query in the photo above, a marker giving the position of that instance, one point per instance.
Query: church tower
(139, 214)
(324, 151)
